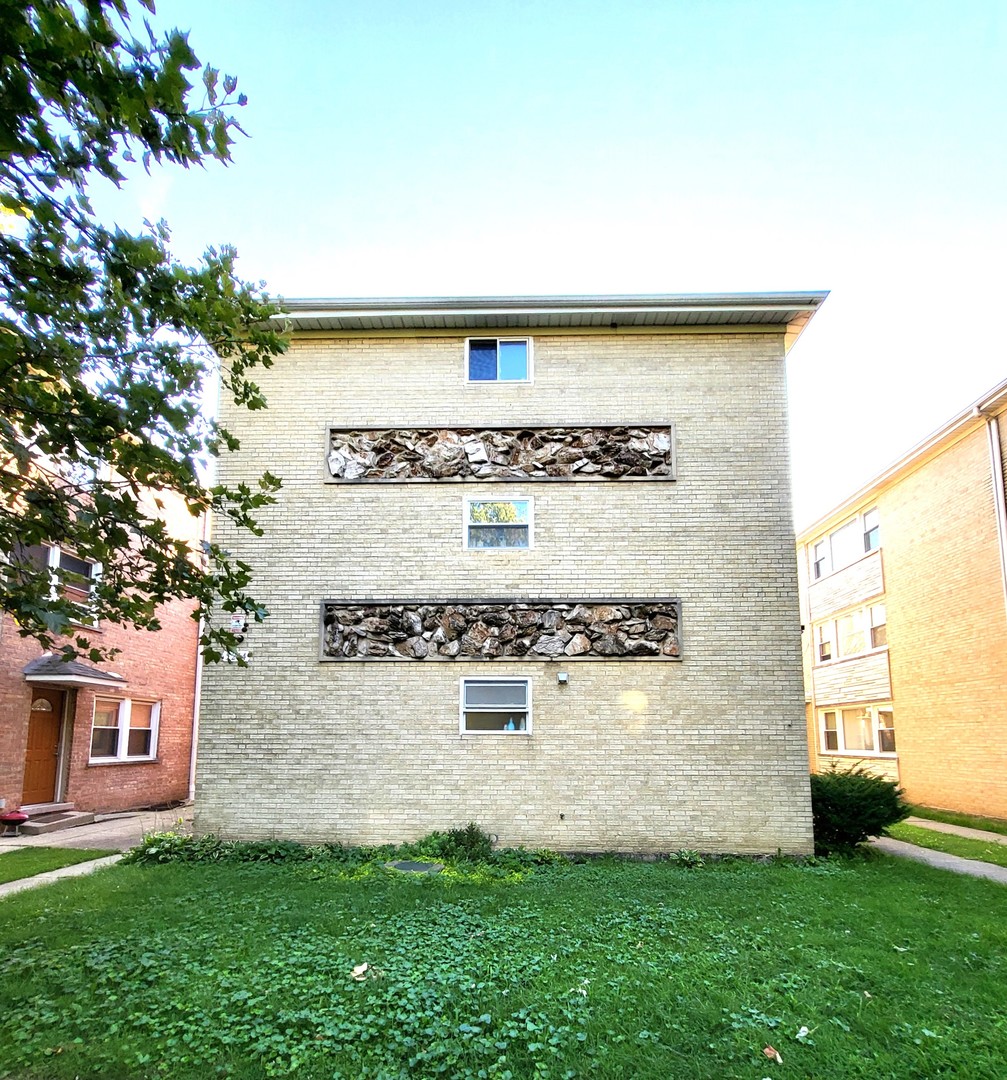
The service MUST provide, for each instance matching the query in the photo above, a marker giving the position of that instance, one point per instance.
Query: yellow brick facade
(707, 753)
(943, 588)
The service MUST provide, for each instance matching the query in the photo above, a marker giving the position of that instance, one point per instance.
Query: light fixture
(562, 678)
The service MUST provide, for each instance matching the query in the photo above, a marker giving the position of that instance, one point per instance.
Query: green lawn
(966, 847)
(875, 968)
(27, 862)
(970, 821)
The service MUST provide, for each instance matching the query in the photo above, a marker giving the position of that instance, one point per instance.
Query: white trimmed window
(878, 618)
(857, 729)
(498, 523)
(495, 707)
(70, 576)
(845, 545)
(851, 634)
(823, 634)
(820, 559)
(498, 360)
(124, 730)
(872, 530)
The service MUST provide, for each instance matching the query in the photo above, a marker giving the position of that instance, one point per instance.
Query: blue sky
(472, 148)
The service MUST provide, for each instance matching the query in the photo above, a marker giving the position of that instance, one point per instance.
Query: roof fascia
(991, 403)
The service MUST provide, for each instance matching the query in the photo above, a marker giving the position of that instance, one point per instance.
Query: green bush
(848, 806)
(463, 846)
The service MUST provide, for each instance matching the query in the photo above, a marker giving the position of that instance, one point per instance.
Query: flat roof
(790, 311)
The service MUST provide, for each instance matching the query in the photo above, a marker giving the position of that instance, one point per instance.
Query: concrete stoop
(54, 821)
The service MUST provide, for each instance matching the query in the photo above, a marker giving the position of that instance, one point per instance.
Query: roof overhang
(54, 671)
(790, 312)
(972, 416)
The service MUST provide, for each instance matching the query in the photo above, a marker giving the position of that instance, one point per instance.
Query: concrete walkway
(8, 888)
(973, 867)
(957, 830)
(939, 859)
(114, 832)
(111, 832)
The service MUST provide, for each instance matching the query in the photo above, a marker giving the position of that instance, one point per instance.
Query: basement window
(495, 707)
(498, 359)
(498, 523)
(124, 730)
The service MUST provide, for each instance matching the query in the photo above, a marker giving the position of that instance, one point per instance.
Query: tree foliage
(106, 339)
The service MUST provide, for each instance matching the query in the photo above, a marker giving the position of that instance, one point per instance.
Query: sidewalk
(114, 832)
(943, 861)
(958, 830)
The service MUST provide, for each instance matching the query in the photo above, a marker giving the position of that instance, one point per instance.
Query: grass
(970, 821)
(863, 969)
(27, 862)
(966, 847)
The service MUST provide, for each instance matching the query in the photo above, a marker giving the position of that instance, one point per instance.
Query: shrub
(848, 806)
(464, 846)
(687, 857)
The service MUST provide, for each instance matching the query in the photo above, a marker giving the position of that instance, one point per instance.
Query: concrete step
(47, 823)
(39, 809)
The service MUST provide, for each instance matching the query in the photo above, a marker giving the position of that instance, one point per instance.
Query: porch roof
(54, 670)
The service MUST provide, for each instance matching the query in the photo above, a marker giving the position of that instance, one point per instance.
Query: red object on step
(12, 819)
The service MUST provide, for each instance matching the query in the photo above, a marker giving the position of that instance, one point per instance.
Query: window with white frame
(857, 729)
(823, 635)
(845, 545)
(69, 575)
(495, 707)
(498, 523)
(498, 359)
(878, 618)
(851, 634)
(820, 559)
(872, 530)
(124, 730)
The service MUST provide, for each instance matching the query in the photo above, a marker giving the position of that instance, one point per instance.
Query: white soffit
(788, 311)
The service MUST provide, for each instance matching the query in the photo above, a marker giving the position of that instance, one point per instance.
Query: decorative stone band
(501, 630)
(418, 454)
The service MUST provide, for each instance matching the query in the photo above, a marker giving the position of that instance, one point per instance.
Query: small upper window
(825, 641)
(498, 360)
(820, 559)
(872, 530)
(498, 523)
(496, 706)
(71, 577)
(879, 626)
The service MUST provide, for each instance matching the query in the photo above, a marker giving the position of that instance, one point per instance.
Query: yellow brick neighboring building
(909, 631)
(704, 750)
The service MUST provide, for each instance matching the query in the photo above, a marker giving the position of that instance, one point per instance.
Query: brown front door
(43, 746)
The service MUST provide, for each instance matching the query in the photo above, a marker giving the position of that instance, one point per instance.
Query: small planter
(12, 820)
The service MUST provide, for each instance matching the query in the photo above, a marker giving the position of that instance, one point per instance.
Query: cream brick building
(904, 598)
(610, 660)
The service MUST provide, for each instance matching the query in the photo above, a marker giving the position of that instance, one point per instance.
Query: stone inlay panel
(535, 630)
(626, 452)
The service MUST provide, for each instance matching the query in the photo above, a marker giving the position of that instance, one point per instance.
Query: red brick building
(118, 737)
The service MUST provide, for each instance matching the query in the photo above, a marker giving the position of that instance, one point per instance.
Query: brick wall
(158, 667)
(710, 753)
(947, 630)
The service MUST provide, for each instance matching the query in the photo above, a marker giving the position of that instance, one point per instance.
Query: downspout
(1000, 509)
(197, 689)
